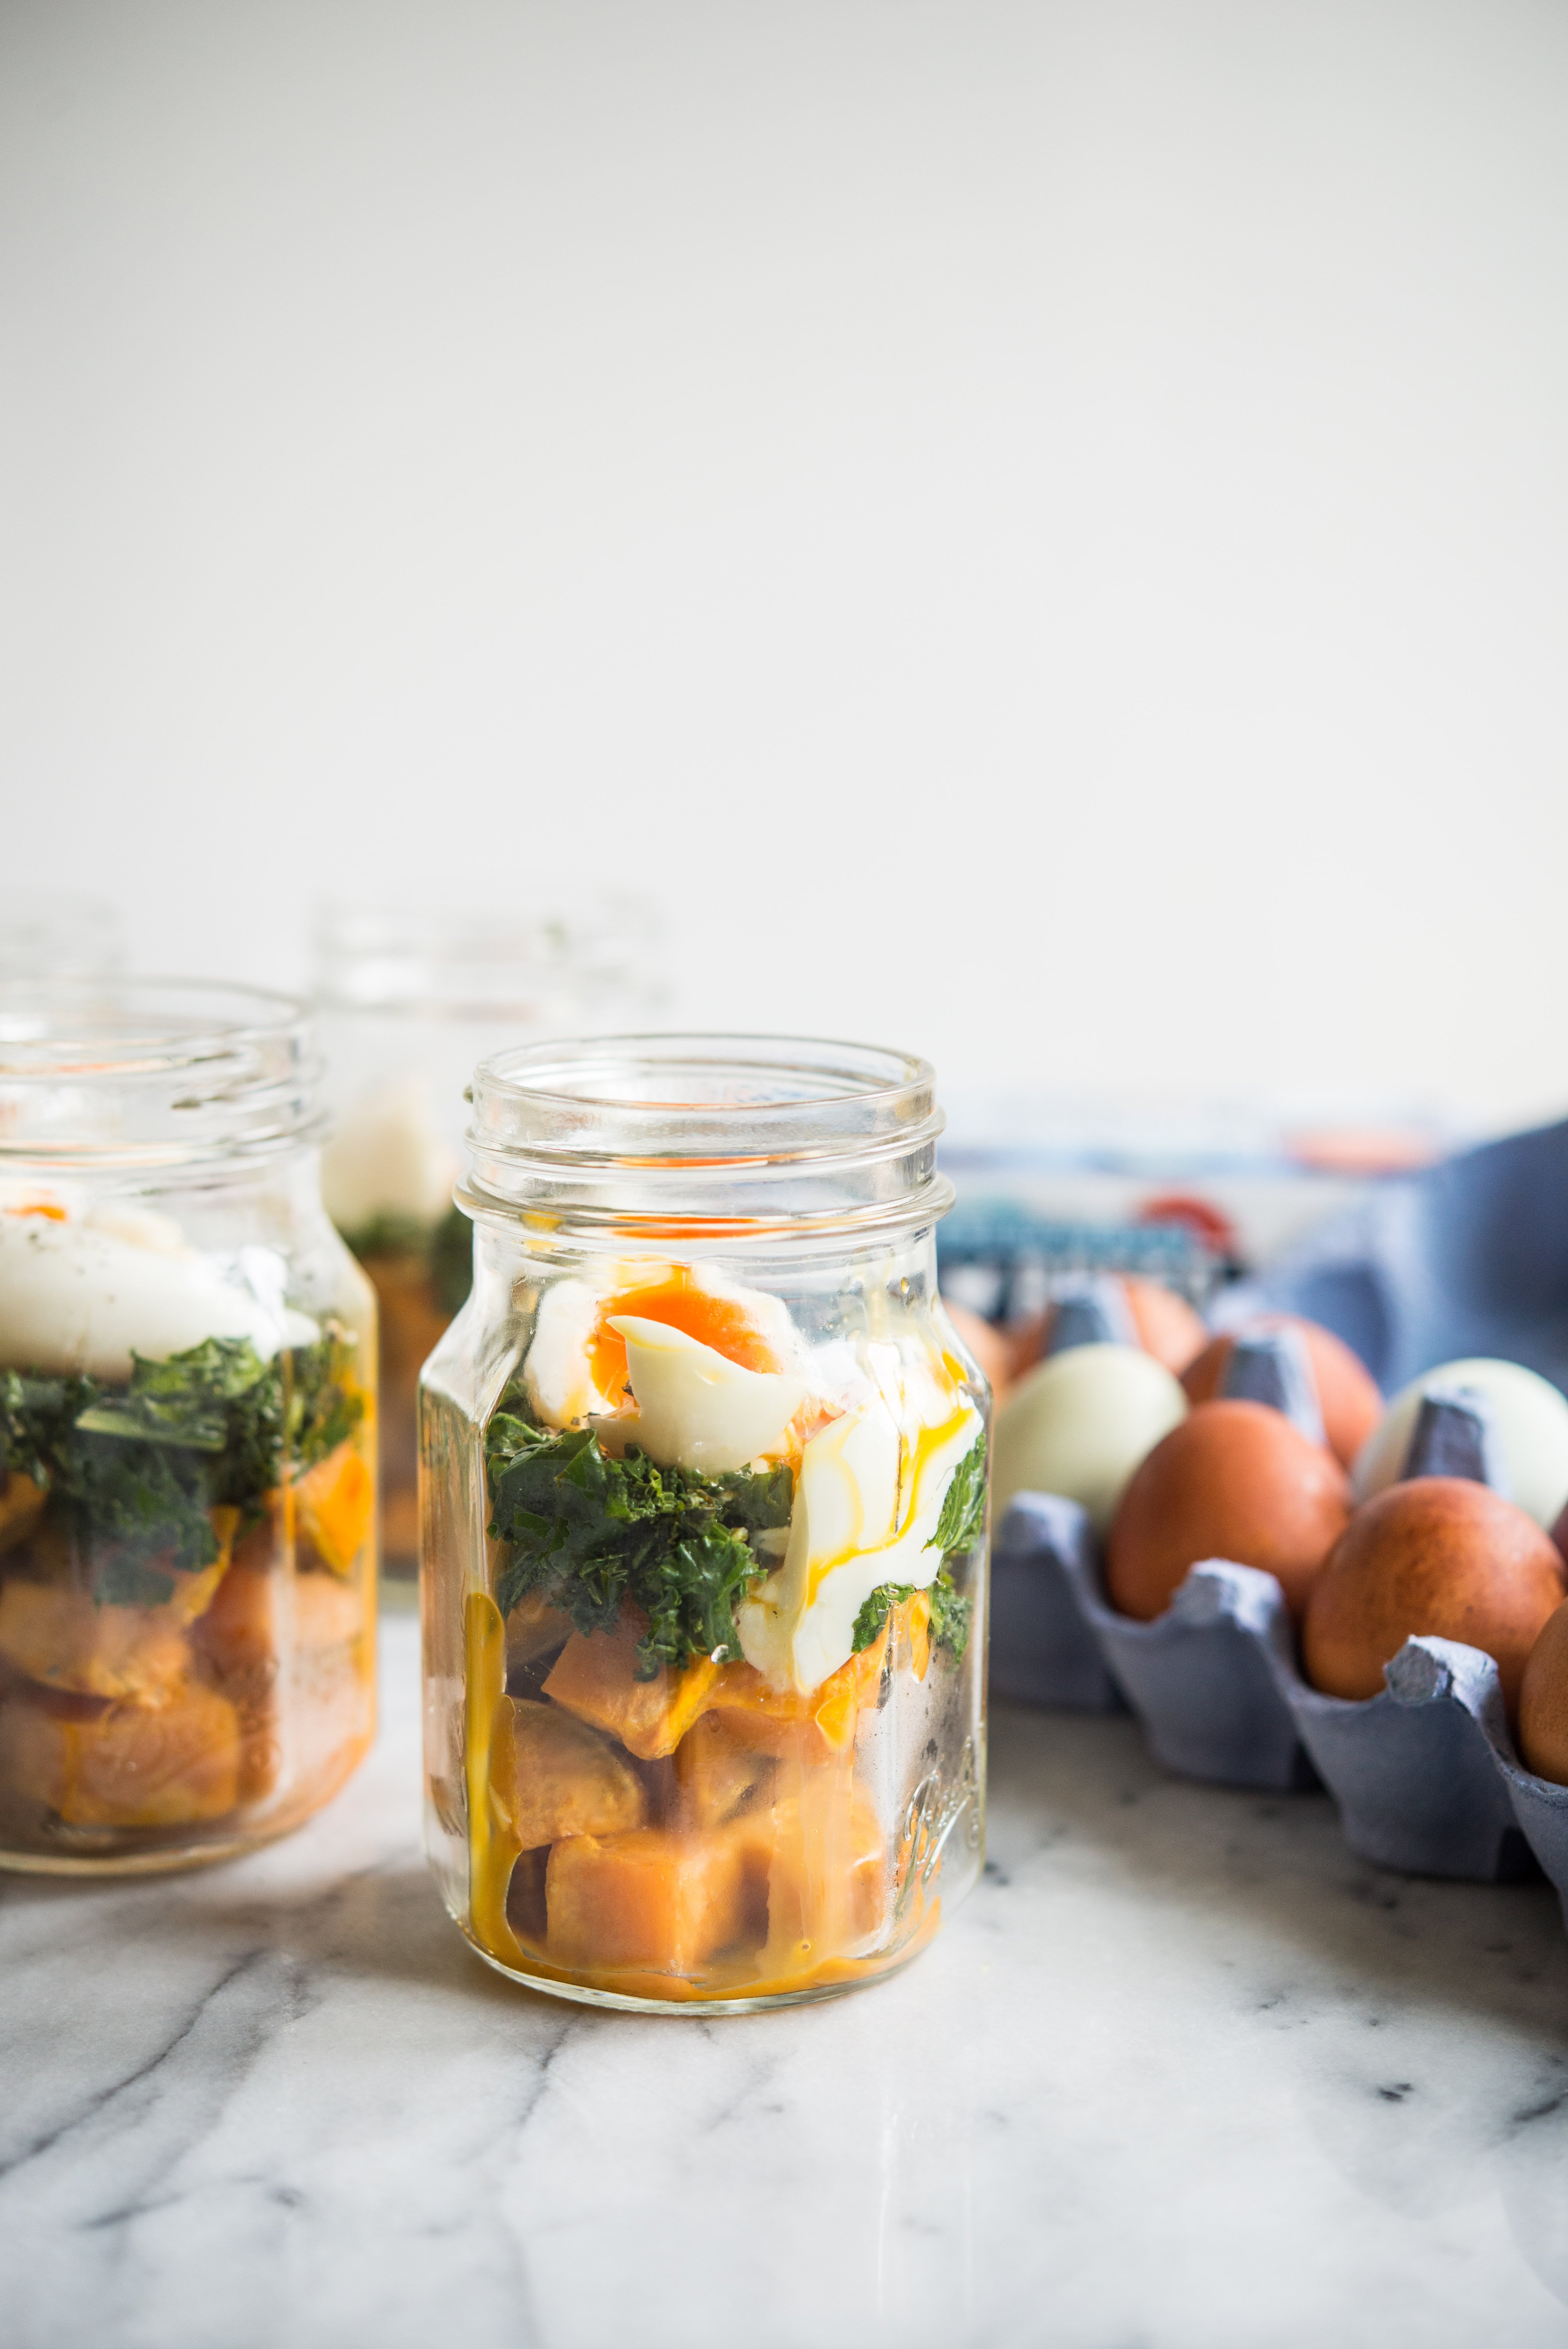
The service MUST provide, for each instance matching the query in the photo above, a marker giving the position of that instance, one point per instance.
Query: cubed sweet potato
(284, 1650)
(782, 1722)
(534, 1629)
(21, 1506)
(256, 1613)
(595, 1678)
(335, 1503)
(130, 1765)
(59, 1638)
(652, 1900)
(827, 1870)
(717, 1775)
(554, 1776)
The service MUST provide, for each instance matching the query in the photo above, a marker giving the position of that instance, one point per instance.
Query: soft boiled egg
(695, 1408)
(868, 1500)
(389, 1157)
(577, 1366)
(78, 1295)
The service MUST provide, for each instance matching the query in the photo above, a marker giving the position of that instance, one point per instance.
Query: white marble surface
(1183, 2073)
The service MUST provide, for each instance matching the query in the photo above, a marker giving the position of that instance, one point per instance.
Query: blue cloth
(1469, 1257)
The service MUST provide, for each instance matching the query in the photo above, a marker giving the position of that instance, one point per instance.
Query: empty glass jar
(703, 1528)
(187, 1430)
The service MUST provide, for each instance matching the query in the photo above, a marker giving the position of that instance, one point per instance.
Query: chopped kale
(452, 1260)
(446, 1249)
(963, 1519)
(951, 1614)
(134, 1472)
(325, 1404)
(875, 1611)
(36, 1414)
(590, 1532)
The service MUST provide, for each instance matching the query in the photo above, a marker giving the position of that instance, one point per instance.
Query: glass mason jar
(704, 1553)
(187, 1430)
(410, 999)
(46, 931)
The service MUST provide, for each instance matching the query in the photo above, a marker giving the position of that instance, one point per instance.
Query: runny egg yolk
(675, 1298)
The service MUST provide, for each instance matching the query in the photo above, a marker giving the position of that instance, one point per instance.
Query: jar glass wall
(187, 1430)
(704, 1528)
(410, 1000)
(46, 933)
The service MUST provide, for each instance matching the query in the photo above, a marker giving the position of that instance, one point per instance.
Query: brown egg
(1167, 1326)
(1437, 1555)
(1346, 1392)
(1543, 1701)
(988, 1346)
(1235, 1480)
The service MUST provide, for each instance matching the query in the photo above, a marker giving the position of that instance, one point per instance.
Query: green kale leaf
(134, 1472)
(951, 1614)
(963, 1519)
(446, 1249)
(325, 1404)
(36, 1414)
(875, 1611)
(451, 1247)
(590, 1532)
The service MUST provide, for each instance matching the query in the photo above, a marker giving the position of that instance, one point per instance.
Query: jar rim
(147, 1071)
(734, 1130)
(467, 963)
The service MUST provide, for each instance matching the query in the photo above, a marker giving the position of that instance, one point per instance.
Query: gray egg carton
(1424, 1773)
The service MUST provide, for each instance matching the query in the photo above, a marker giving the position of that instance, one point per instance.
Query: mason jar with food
(187, 1430)
(409, 999)
(704, 1510)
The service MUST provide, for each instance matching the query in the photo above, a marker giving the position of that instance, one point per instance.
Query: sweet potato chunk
(717, 1775)
(256, 1612)
(649, 1899)
(533, 1628)
(335, 1501)
(284, 1649)
(826, 1861)
(130, 1766)
(61, 1639)
(554, 1776)
(812, 1727)
(594, 1677)
(21, 1506)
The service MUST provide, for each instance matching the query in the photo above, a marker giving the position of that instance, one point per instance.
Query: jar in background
(187, 1430)
(410, 1000)
(43, 933)
(703, 1528)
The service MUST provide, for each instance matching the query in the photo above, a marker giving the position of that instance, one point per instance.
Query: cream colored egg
(695, 1408)
(78, 1296)
(1081, 1422)
(1530, 1419)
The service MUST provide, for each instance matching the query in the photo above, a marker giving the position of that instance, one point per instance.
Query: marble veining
(1182, 2075)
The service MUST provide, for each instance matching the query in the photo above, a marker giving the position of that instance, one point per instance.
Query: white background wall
(1035, 527)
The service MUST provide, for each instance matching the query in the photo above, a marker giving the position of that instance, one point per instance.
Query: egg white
(84, 1294)
(868, 1499)
(696, 1409)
